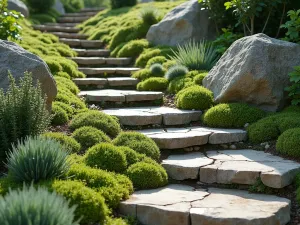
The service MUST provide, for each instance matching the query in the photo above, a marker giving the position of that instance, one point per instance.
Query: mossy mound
(153, 84)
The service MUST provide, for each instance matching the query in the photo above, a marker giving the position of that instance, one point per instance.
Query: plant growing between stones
(294, 89)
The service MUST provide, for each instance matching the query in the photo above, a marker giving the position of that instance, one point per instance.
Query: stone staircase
(110, 85)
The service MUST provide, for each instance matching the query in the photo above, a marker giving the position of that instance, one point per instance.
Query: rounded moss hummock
(67, 142)
(288, 143)
(175, 72)
(153, 84)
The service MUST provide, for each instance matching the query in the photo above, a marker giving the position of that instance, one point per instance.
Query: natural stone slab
(246, 166)
(92, 9)
(160, 115)
(90, 81)
(70, 35)
(183, 205)
(101, 60)
(62, 24)
(122, 81)
(109, 95)
(80, 14)
(81, 43)
(102, 71)
(92, 52)
(70, 19)
(56, 28)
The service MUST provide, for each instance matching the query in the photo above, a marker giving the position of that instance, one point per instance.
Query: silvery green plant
(196, 55)
(157, 69)
(36, 159)
(149, 15)
(176, 71)
(31, 206)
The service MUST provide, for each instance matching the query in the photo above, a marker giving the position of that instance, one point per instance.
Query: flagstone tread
(184, 205)
(72, 19)
(82, 43)
(102, 82)
(110, 95)
(142, 116)
(101, 61)
(79, 14)
(70, 35)
(177, 138)
(57, 28)
(92, 52)
(232, 167)
(62, 24)
(126, 71)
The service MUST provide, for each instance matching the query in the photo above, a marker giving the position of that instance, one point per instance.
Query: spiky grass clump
(149, 15)
(196, 55)
(38, 158)
(35, 206)
(157, 69)
(176, 71)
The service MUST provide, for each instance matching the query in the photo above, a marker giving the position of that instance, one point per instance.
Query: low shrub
(59, 115)
(67, 142)
(157, 59)
(90, 205)
(131, 155)
(145, 175)
(35, 206)
(67, 108)
(150, 53)
(149, 15)
(175, 72)
(133, 48)
(72, 6)
(194, 97)
(169, 63)
(40, 6)
(289, 143)
(117, 221)
(199, 78)
(69, 84)
(62, 74)
(36, 159)
(232, 115)
(98, 120)
(107, 157)
(179, 83)
(90, 136)
(157, 69)
(153, 84)
(122, 3)
(138, 142)
(143, 74)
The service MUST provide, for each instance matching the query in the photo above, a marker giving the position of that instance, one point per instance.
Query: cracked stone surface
(183, 205)
(176, 138)
(142, 116)
(109, 95)
(101, 71)
(101, 61)
(233, 166)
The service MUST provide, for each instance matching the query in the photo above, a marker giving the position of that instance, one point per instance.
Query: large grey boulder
(15, 59)
(18, 6)
(59, 7)
(185, 22)
(254, 70)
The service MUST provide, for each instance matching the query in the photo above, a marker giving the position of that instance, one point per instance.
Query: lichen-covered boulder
(254, 70)
(18, 6)
(186, 21)
(17, 61)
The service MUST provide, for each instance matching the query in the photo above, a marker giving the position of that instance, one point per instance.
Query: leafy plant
(37, 159)
(196, 55)
(224, 41)
(9, 23)
(35, 206)
(294, 89)
(22, 112)
(175, 72)
(40, 6)
(293, 26)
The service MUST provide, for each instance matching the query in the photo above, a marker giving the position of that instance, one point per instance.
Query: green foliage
(67, 142)
(155, 60)
(68, 109)
(230, 115)
(194, 97)
(9, 23)
(98, 120)
(149, 15)
(89, 136)
(153, 84)
(72, 6)
(67, 83)
(118, 221)
(169, 63)
(150, 53)
(175, 72)
(122, 3)
(199, 78)
(22, 112)
(143, 74)
(59, 115)
(90, 206)
(37, 159)
(62, 74)
(157, 69)
(225, 40)
(133, 48)
(138, 142)
(259, 187)
(40, 6)
(294, 89)
(180, 83)
(196, 55)
(131, 155)
(293, 26)
(146, 176)
(107, 157)
(289, 143)
(35, 206)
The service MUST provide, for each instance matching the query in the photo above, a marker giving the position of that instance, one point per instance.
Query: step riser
(92, 53)
(101, 61)
(92, 10)
(70, 35)
(72, 25)
(73, 19)
(103, 83)
(81, 43)
(107, 71)
(56, 29)
(82, 14)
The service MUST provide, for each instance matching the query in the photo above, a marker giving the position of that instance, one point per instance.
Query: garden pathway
(109, 84)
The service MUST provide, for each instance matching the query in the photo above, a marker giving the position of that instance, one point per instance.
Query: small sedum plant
(35, 206)
(153, 84)
(59, 116)
(157, 59)
(37, 159)
(175, 72)
(67, 142)
(288, 143)
(133, 48)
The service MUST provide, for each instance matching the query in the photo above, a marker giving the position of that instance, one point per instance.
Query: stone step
(62, 24)
(80, 14)
(72, 19)
(101, 83)
(92, 52)
(232, 167)
(56, 28)
(110, 95)
(102, 61)
(108, 71)
(92, 9)
(179, 138)
(143, 116)
(82, 43)
(70, 35)
(185, 205)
